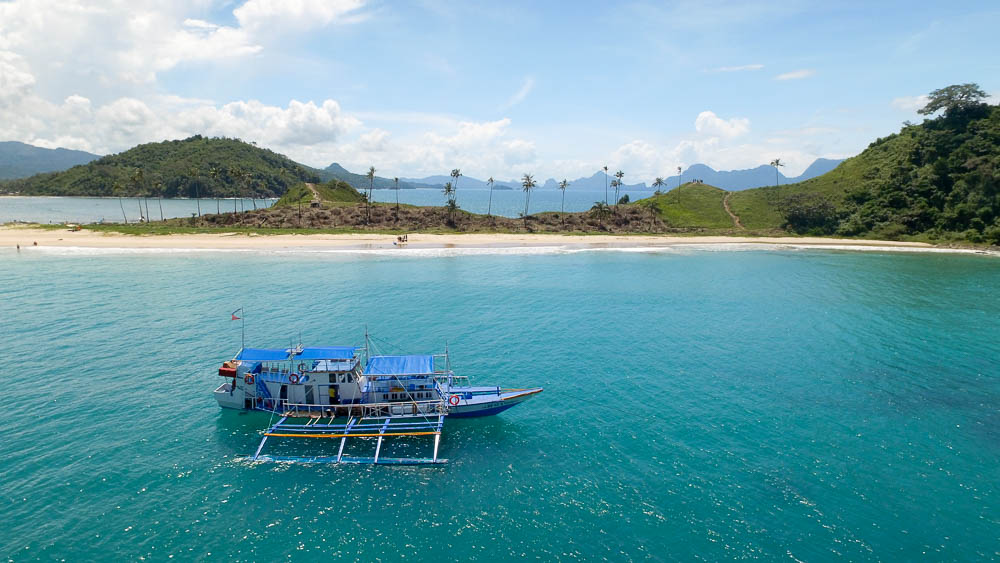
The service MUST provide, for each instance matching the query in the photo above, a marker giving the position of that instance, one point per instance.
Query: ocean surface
(700, 403)
(507, 203)
(35, 209)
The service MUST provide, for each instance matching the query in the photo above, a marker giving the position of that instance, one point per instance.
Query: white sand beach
(27, 236)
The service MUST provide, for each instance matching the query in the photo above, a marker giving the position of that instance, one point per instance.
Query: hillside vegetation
(692, 205)
(936, 180)
(332, 193)
(19, 160)
(197, 166)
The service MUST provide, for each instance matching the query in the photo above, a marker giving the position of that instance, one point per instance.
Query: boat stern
(229, 398)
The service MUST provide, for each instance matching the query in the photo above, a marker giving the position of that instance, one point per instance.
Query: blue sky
(495, 88)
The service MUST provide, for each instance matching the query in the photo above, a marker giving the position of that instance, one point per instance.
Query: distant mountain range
(732, 180)
(19, 160)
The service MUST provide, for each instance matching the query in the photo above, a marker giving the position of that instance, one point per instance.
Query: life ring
(293, 379)
(453, 400)
(302, 367)
(248, 379)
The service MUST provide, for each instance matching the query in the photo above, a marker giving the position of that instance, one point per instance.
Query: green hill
(209, 167)
(332, 193)
(693, 205)
(936, 180)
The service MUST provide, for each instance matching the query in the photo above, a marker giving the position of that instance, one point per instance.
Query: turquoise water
(107, 209)
(698, 404)
(508, 203)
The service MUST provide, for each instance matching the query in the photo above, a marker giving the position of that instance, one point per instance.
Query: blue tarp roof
(262, 354)
(327, 353)
(398, 365)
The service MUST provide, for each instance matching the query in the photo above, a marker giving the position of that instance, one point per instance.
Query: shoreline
(27, 236)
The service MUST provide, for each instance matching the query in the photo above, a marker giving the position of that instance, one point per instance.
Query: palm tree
(136, 181)
(776, 163)
(653, 207)
(396, 180)
(455, 173)
(448, 191)
(562, 186)
(614, 185)
(248, 183)
(600, 211)
(489, 207)
(605, 184)
(213, 172)
(197, 182)
(371, 186)
(658, 183)
(158, 187)
(619, 175)
(528, 183)
(118, 189)
(679, 176)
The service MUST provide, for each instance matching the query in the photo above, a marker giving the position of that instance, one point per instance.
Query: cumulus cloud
(710, 124)
(796, 74)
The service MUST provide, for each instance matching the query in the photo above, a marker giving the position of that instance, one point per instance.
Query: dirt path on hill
(736, 219)
(316, 199)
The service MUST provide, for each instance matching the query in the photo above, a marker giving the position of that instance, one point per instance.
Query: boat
(343, 392)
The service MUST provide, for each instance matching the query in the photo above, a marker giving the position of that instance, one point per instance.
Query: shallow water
(763, 403)
(45, 210)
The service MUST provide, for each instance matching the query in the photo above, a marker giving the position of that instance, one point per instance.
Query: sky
(554, 89)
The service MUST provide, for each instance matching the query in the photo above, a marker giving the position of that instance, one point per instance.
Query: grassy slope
(335, 192)
(758, 208)
(693, 205)
(182, 167)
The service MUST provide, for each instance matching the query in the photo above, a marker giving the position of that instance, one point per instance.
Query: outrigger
(328, 393)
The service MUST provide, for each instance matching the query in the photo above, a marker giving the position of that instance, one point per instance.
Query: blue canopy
(399, 365)
(263, 354)
(327, 353)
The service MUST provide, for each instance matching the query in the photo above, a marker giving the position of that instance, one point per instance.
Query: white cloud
(738, 68)
(299, 14)
(710, 124)
(796, 74)
(526, 87)
(909, 103)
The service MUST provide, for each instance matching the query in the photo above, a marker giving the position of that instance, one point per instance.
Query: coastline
(27, 236)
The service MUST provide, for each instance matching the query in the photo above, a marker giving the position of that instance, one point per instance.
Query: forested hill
(197, 166)
(936, 180)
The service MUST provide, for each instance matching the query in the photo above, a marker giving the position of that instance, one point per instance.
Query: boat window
(310, 397)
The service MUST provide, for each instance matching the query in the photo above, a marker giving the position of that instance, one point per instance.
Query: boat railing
(366, 410)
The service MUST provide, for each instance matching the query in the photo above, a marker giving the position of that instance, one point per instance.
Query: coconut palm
(368, 201)
(489, 207)
(600, 211)
(248, 184)
(527, 183)
(776, 163)
(117, 189)
(214, 174)
(158, 188)
(396, 180)
(455, 173)
(562, 186)
(605, 184)
(679, 175)
(618, 175)
(653, 207)
(137, 180)
(614, 186)
(448, 191)
(196, 177)
(658, 183)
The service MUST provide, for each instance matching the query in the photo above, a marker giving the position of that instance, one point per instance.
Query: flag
(235, 318)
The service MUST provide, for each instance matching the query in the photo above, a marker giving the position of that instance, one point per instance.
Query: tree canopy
(954, 99)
